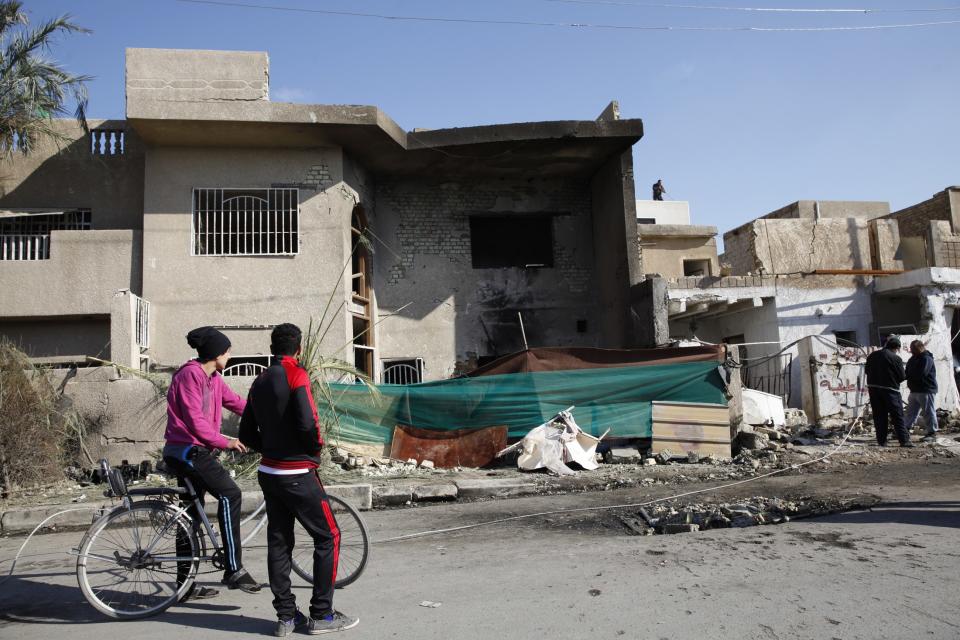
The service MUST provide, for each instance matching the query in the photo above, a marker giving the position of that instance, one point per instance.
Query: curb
(26, 519)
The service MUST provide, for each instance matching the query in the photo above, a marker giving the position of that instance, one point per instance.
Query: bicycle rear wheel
(128, 563)
(354, 545)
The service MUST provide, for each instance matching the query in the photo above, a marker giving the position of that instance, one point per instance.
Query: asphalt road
(892, 572)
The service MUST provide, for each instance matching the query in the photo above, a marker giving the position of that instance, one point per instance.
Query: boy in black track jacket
(280, 421)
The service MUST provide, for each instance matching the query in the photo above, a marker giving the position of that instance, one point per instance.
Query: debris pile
(758, 510)
(383, 467)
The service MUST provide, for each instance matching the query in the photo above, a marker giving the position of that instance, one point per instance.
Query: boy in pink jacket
(195, 404)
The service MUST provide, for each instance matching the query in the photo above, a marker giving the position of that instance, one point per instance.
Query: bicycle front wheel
(354, 545)
(137, 560)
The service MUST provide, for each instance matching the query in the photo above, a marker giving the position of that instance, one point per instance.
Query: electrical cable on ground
(23, 546)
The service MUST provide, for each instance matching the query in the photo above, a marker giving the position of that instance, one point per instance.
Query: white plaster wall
(664, 211)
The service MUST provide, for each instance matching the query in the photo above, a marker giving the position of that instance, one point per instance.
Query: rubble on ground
(671, 518)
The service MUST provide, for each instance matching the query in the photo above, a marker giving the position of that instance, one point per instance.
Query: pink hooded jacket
(194, 407)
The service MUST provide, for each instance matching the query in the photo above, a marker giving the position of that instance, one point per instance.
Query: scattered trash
(80, 498)
(430, 605)
(554, 444)
(762, 408)
(594, 592)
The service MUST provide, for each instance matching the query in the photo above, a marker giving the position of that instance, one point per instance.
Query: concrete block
(358, 495)
(435, 492)
(680, 528)
(754, 440)
(389, 495)
(494, 487)
(174, 75)
(27, 518)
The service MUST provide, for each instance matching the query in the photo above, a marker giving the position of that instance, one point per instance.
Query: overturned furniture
(554, 444)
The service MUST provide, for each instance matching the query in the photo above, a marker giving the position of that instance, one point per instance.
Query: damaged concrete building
(847, 273)
(212, 205)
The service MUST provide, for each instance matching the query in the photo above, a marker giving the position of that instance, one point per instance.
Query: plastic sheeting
(617, 399)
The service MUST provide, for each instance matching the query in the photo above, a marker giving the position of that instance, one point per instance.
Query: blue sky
(737, 123)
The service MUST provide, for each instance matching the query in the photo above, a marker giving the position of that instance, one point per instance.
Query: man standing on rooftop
(658, 190)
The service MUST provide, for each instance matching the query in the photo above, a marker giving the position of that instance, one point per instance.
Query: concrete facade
(677, 250)
(783, 246)
(203, 120)
(768, 313)
(818, 209)
(458, 313)
(833, 271)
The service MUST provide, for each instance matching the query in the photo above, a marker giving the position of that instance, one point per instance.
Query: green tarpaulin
(614, 398)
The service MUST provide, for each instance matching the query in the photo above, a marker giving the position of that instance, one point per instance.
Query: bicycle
(133, 548)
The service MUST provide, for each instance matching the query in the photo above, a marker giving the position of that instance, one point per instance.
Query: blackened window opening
(511, 241)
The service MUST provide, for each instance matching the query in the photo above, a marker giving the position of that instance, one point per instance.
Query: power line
(532, 23)
(703, 7)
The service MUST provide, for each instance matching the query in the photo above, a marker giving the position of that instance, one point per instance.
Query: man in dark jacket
(884, 375)
(280, 421)
(922, 381)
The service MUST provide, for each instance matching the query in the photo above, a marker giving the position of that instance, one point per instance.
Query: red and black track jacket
(280, 420)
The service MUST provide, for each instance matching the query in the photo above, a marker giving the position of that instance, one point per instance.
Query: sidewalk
(423, 486)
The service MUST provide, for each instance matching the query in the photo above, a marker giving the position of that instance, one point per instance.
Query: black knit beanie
(209, 343)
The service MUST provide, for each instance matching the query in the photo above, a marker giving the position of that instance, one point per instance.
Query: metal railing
(246, 222)
(24, 247)
(244, 369)
(771, 376)
(143, 323)
(401, 373)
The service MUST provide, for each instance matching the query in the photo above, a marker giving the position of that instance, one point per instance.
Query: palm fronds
(34, 90)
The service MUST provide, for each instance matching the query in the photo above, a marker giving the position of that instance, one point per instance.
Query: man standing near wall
(922, 381)
(884, 375)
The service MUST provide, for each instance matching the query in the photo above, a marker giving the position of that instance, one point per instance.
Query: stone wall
(788, 246)
(943, 244)
(914, 221)
(833, 383)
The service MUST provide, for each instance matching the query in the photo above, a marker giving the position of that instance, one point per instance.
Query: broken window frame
(516, 241)
(706, 271)
(361, 296)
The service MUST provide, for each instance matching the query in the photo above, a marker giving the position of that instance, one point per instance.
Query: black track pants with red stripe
(300, 497)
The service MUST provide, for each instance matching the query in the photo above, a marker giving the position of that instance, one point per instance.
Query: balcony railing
(24, 247)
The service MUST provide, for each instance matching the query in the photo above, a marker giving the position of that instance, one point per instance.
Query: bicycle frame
(182, 510)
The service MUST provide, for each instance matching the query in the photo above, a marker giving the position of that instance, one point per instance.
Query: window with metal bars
(27, 236)
(246, 222)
